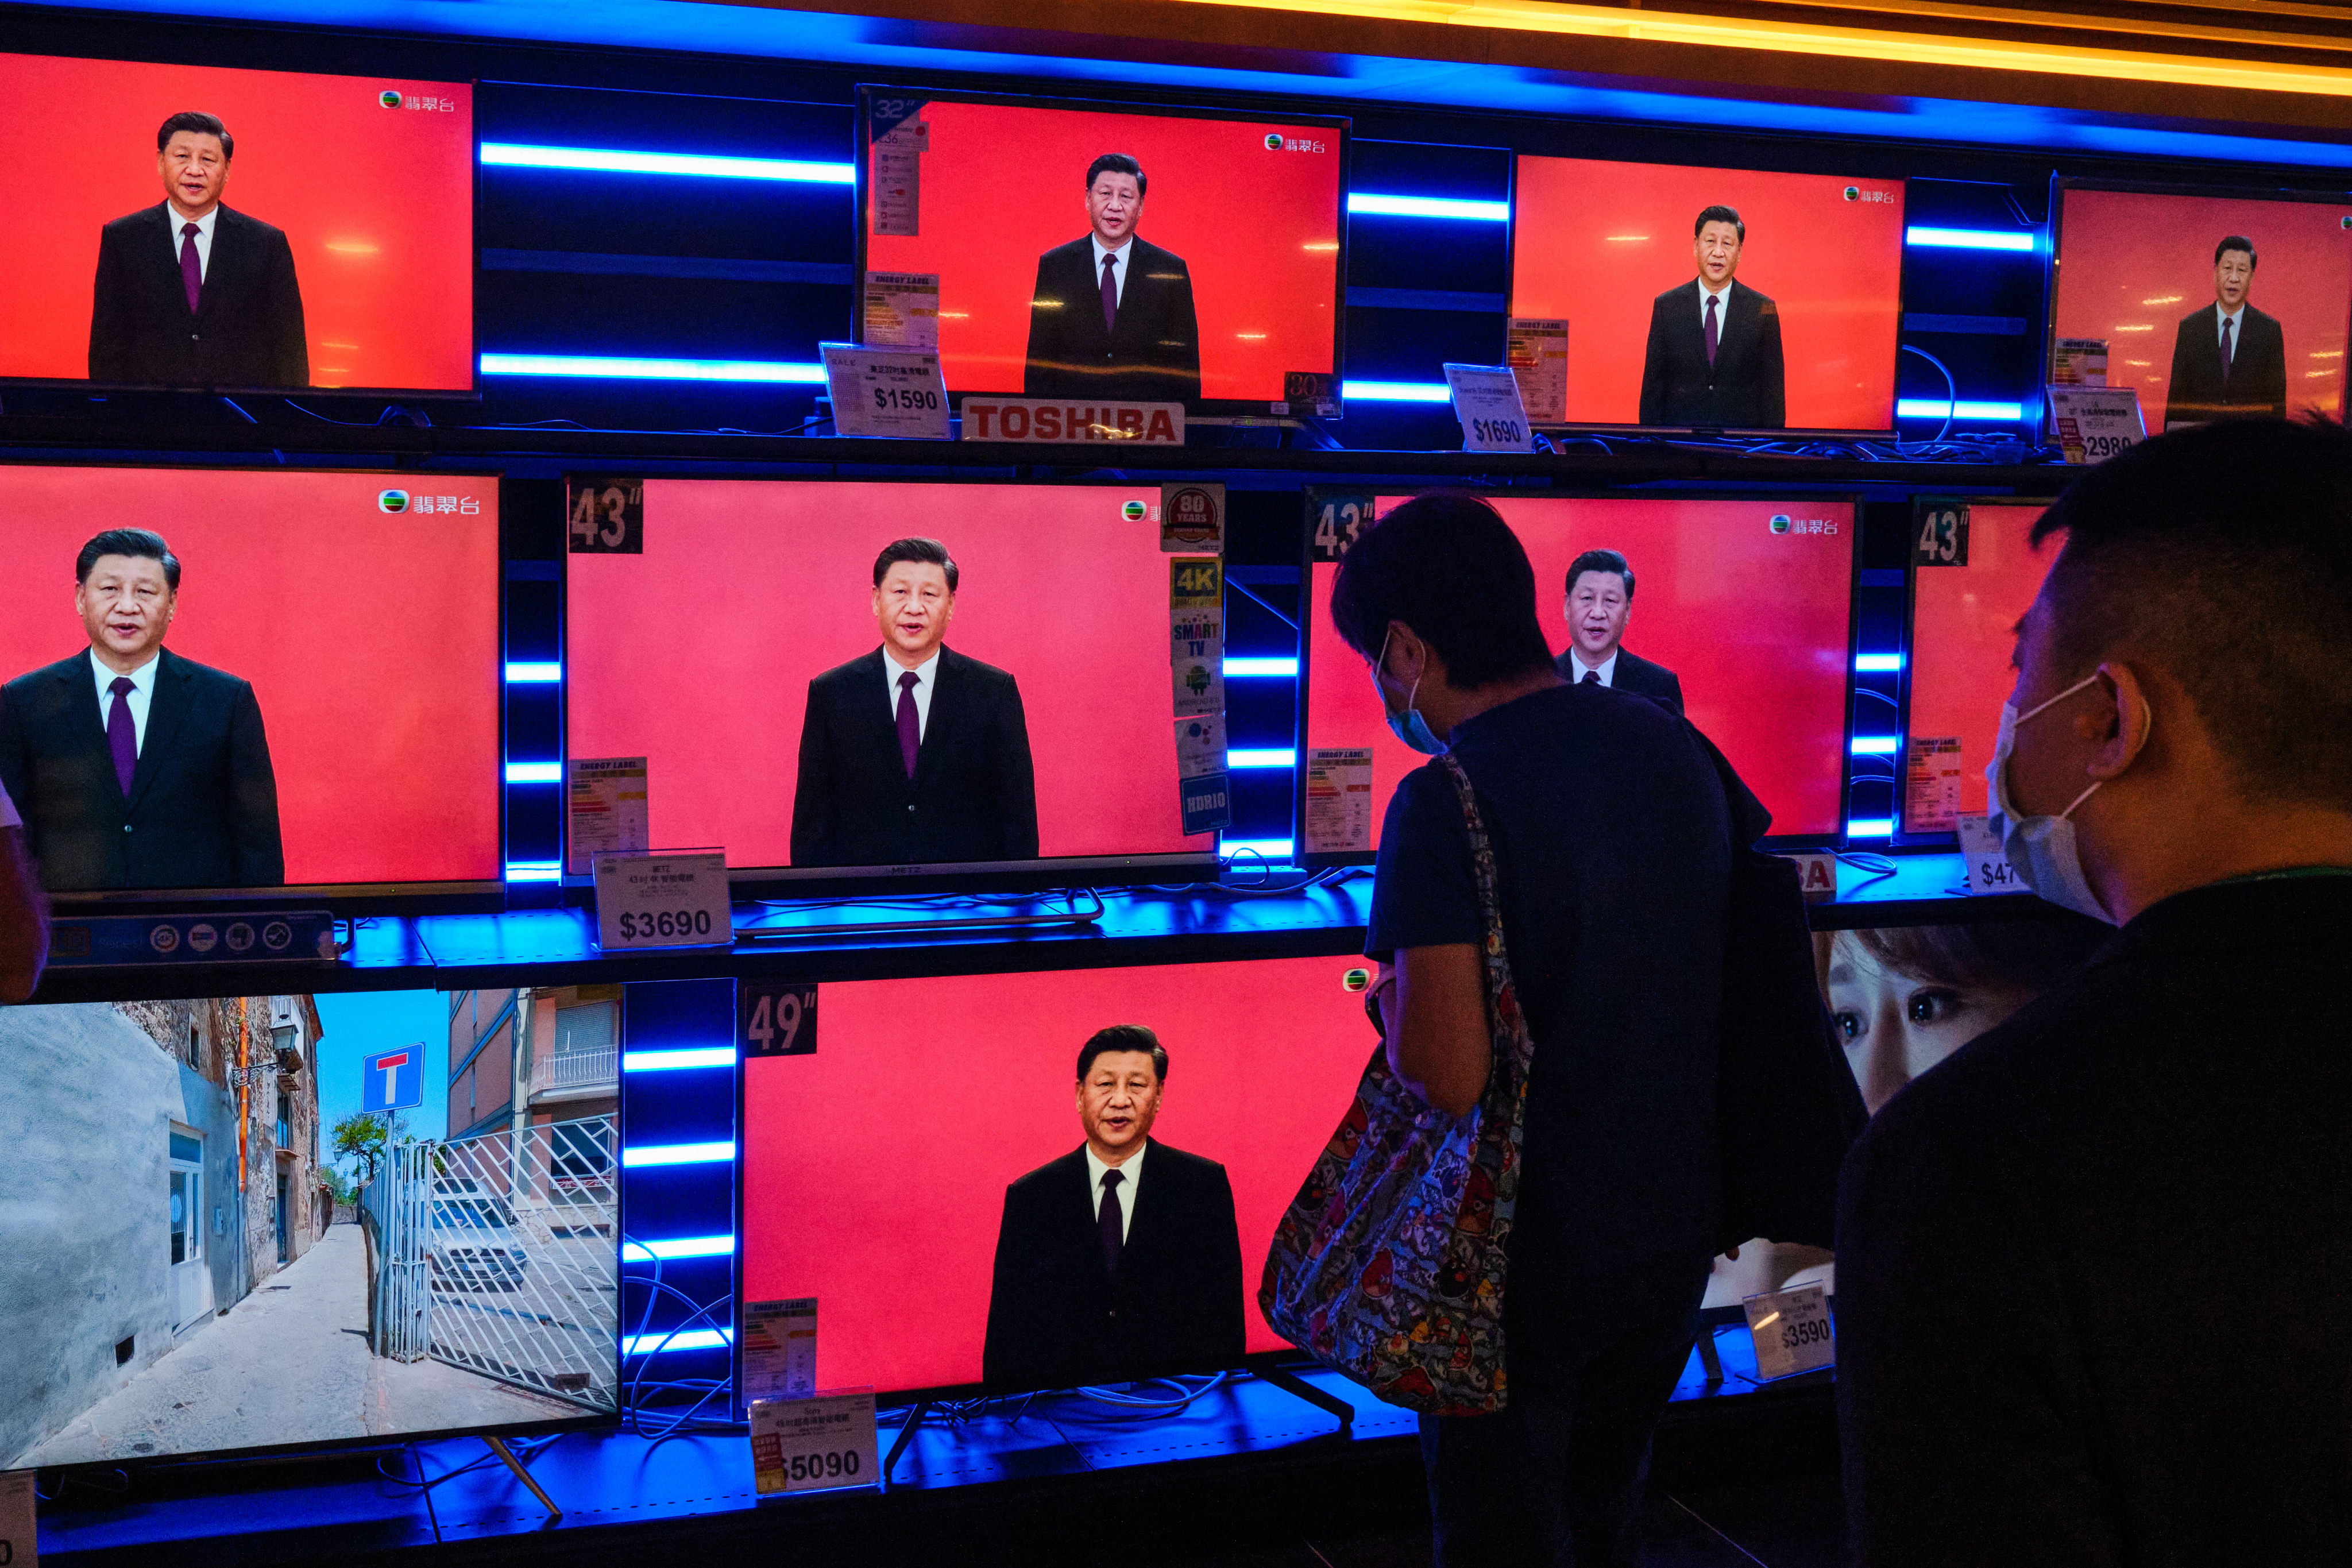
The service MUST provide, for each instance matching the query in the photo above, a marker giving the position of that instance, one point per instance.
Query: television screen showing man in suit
(1600, 603)
(1112, 313)
(1027, 646)
(1121, 1259)
(2209, 304)
(2229, 359)
(132, 766)
(310, 671)
(293, 231)
(1713, 355)
(1800, 277)
(193, 293)
(1084, 251)
(914, 752)
(1746, 629)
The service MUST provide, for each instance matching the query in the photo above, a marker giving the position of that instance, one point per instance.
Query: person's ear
(2118, 725)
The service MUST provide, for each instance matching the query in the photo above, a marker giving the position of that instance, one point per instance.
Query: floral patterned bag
(1389, 1265)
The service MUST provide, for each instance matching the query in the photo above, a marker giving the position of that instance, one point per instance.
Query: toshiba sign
(1062, 420)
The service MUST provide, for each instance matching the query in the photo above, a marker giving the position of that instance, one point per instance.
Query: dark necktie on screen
(1111, 293)
(1591, 678)
(910, 728)
(1110, 1220)
(192, 267)
(2229, 331)
(1712, 329)
(122, 732)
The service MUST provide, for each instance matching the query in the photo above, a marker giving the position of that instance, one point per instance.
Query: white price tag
(606, 809)
(780, 1349)
(1339, 799)
(1486, 402)
(664, 901)
(1988, 858)
(1791, 1331)
(2094, 423)
(20, 1545)
(815, 1445)
(885, 392)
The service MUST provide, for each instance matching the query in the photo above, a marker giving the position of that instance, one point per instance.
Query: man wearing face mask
(2183, 1095)
(1614, 837)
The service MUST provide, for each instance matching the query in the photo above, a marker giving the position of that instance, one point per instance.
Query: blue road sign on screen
(393, 1080)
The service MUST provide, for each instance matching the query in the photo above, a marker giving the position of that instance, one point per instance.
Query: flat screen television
(740, 652)
(209, 1244)
(1747, 606)
(314, 696)
(335, 220)
(1964, 617)
(988, 1270)
(1807, 270)
(2145, 275)
(1009, 208)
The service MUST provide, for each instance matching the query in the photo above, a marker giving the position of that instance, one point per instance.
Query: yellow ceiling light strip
(1844, 43)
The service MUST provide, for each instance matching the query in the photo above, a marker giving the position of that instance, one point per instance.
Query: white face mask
(2040, 849)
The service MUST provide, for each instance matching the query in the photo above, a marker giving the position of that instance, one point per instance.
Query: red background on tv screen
(378, 205)
(697, 655)
(1596, 242)
(372, 642)
(1753, 623)
(1963, 621)
(970, 1078)
(2131, 264)
(1258, 230)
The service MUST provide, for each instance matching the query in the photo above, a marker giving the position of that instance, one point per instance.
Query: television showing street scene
(241, 1223)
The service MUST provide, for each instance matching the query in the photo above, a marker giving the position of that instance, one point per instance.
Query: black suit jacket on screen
(1056, 1319)
(1150, 354)
(247, 328)
(2092, 1269)
(1634, 674)
(975, 793)
(2255, 387)
(1744, 389)
(203, 807)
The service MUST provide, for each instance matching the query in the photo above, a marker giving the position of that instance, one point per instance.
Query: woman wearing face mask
(1611, 835)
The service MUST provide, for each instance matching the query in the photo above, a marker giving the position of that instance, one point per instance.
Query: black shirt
(1613, 851)
(2093, 1280)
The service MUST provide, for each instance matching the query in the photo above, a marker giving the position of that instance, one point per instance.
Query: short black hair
(127, 542)
(1123, 1037)
(929, 550)
(1118, 163)
(2237, 242)
(1601, 561)
(204, 125)
(2223, 555)
(1719, 213)
(1447, 565)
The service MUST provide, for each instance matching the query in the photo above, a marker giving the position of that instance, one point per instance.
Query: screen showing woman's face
(1896, 1026)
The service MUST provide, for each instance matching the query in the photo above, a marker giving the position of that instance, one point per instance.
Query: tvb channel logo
(392, 502)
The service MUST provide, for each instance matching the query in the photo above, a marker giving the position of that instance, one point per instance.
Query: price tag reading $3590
(1791, 1331)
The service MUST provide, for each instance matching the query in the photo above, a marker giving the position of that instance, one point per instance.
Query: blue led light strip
(680, 1246)
(1275, 849)
(534, 871)
(614, 367)
(683, 1339)
(1877, 663)
(1877, 745)
(1372, 203)
(612, 161)
(1394, 392)
(535, 772)
(1971, 238)
(643, 1154)
(673, 1061)
(1238, 667)
(1870, 828)
(1937, 408)
(532, 672)
(1261, 757)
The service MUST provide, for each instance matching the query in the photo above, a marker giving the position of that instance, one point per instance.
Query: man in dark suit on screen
(192, 293)
(1112, 314)
(134, 767)
(2229, 360)
(1600, 603)
(914, 753)
(1121, 1259)
(1714, 357)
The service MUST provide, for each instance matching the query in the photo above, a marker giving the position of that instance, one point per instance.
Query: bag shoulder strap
(1493, 950)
